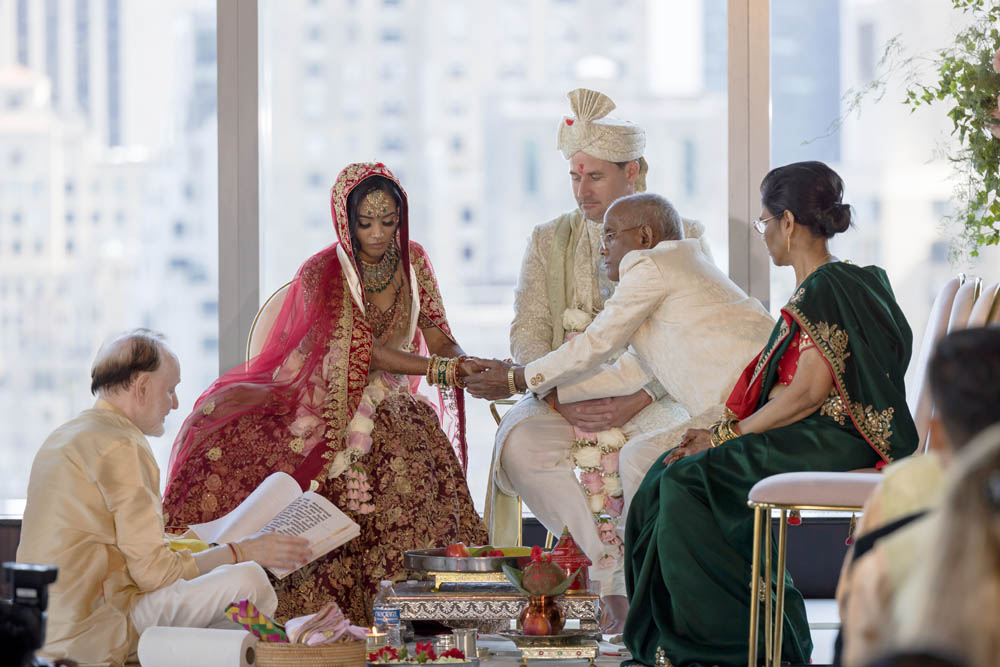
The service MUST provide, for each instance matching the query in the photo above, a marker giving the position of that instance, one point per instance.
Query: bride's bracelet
(443, 371)
(723, 431)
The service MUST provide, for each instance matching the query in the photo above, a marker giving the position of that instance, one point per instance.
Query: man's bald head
(120, 360)
(649, 209)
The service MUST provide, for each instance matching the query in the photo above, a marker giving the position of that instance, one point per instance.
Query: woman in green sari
(826, 394)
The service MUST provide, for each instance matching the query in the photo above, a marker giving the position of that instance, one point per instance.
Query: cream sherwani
(94, 510)
(560, 270)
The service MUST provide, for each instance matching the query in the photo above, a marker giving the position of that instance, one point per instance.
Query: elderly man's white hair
(123, 357)
(650, 209)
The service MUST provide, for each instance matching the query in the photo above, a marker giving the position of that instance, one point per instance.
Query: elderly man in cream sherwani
(93, 510)
(685, 323)
(562, 284)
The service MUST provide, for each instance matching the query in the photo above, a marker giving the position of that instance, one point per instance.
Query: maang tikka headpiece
(376, 203)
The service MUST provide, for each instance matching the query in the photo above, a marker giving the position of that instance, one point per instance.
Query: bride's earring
(788, 243)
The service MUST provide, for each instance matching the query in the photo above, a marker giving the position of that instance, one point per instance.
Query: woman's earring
(788, 243)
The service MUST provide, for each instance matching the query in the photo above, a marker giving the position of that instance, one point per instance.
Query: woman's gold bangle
(723, 432)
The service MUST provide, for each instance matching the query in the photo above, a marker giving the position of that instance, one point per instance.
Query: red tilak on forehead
(579, 167)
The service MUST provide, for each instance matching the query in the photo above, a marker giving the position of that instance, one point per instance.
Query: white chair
(958, 304)
(264, 320)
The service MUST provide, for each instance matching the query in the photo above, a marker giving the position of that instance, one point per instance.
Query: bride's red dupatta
(287, 409)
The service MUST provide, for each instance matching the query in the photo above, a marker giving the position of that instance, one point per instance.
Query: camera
(22, 612)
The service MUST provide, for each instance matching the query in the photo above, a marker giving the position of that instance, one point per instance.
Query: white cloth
(202, 601)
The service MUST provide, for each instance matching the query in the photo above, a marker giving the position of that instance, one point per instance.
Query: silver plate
(434, 560)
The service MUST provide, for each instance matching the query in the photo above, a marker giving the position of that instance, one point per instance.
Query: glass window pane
(462, 101)
(891, 160)
(108, 205)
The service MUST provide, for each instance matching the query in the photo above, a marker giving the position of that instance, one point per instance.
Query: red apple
(457, 550)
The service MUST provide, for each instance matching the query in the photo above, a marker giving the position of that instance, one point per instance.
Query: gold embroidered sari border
(832, 342)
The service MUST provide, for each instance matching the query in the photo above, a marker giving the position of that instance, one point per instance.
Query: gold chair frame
(762, 524)
(549, 537)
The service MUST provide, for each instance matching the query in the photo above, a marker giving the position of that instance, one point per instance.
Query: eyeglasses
(761, 224)
(608, 237)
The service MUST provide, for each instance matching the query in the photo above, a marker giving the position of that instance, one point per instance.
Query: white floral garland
(596, 457)
(358, 440)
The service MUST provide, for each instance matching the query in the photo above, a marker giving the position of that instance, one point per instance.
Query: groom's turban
(592, 131)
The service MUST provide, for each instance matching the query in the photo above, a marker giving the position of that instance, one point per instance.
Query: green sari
(689, 531)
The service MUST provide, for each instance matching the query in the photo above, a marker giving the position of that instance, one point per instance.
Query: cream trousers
(537, 460)
(202, 601)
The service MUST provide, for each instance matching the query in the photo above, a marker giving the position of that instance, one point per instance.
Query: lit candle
(374, 640)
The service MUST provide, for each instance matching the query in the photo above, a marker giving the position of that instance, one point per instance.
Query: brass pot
(541, 616)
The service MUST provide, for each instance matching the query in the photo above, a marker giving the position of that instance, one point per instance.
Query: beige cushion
(823, 489)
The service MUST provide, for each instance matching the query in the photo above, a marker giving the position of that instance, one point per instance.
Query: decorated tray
(566, 637)
(434, 560)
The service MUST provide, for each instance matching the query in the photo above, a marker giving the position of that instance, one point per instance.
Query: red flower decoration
(536, 554)
(387, 652)
(569, 121)
(453, 653)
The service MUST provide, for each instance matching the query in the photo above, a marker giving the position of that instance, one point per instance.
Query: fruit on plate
(487, 550)
(457, 550)
(492, 551)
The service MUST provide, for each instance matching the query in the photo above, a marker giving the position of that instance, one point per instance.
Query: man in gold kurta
(94, 511)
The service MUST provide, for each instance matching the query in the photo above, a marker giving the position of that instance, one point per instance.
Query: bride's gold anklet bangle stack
(443, 371)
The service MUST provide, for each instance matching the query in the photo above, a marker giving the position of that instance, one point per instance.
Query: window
(900, 192)
(47, 351)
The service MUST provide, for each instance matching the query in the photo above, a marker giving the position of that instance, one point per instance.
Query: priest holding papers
(94, 511)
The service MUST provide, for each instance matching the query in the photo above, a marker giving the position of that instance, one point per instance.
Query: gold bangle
(458, 381)
(430, 369)
(723, 432)
(511, 385)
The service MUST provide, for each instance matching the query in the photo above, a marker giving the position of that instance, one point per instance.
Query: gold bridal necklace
(376, 277)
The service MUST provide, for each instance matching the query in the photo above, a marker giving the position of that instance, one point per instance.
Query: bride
(332, 400)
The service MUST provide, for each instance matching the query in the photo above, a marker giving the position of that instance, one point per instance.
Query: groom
(684, 322)
(560, 287)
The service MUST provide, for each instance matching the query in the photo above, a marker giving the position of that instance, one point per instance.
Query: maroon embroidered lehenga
(302, 406)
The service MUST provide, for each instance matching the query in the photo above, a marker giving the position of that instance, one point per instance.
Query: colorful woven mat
(265, 629)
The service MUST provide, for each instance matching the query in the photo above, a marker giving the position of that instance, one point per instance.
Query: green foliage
(968, 83)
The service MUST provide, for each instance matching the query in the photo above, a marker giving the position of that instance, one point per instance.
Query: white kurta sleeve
(531, 329)
(623, 378)
(640, 291)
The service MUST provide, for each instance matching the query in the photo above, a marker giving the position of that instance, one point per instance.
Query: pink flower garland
(596, 455)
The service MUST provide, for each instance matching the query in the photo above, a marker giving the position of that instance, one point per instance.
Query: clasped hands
(489, 379)
(486, 378)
